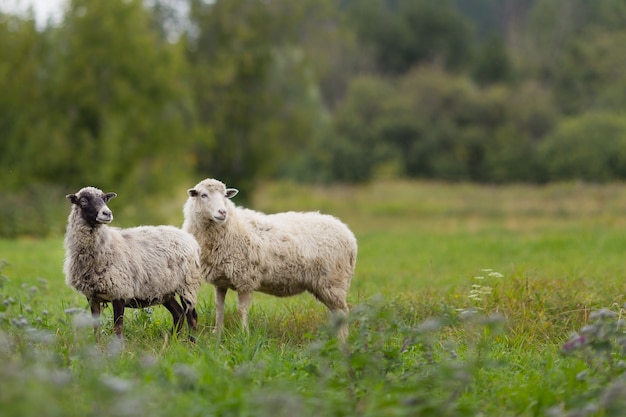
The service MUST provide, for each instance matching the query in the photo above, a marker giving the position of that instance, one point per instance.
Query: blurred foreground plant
(393, 367)
(601, 345)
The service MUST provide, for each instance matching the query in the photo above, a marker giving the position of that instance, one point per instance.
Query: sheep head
(91, 205)
(208, 199)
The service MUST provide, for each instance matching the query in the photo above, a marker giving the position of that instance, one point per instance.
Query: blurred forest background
(146, 98)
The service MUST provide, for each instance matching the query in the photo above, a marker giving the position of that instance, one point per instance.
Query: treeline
(141, 97)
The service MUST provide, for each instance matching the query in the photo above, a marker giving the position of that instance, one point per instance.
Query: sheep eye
(83, 201)
(204, 195)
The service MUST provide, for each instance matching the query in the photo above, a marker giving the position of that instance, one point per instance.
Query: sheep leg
(190, 313)
(244, 298)
(342, 333)
(95, 315)
(118, 317)
(177, 313)
(336, 302)
(192, 318)
(220, 296)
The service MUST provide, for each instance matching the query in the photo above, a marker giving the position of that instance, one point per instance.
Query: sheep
(135, 267)
(280, 254)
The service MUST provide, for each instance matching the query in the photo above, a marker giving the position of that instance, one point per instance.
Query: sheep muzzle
(105, 215)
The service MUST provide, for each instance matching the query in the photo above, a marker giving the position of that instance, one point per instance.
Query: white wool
(148, 263)
(280, 254)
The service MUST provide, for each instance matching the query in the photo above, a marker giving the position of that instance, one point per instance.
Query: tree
(431, 124)
(492, 63)
(589, 147)
(23, 53)
(359, 148)
(591, 73)
(118, 87)
(574, 47)
(407, 33)
(255, 96)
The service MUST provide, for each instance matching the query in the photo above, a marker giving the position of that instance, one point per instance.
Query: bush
(589, 147)
(39, 210)
(601, 344)
(432, 124)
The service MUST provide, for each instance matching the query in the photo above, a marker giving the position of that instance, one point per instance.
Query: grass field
(462, 301)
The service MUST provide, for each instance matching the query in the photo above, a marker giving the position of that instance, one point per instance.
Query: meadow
(467, 301)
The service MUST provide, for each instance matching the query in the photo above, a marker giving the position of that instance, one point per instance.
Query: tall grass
(463, 301)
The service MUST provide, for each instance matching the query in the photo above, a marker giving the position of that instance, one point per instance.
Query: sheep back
(142, 263)
(281, 254)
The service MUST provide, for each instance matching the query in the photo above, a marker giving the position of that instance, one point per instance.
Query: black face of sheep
(135, 267)
(92, 205)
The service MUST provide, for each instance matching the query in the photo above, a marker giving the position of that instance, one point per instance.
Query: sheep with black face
(135, 267)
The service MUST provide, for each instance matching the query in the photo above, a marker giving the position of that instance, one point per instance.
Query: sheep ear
(109, 196)
(72, 198)
(231, 192)
(192, 192)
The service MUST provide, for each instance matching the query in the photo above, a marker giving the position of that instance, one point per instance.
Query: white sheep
(280, 254)
(135, 267)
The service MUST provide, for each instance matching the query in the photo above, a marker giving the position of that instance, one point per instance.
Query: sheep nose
(222, 212)
(104, 216)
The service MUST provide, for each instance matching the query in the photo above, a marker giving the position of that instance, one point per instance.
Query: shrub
(601, 345)
(589, 147)
(38, 210)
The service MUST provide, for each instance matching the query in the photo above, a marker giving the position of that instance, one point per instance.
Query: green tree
(406, 33)
(118, 97)
(589, 147)
(592, 73)
(575, 48)
(23, 77)
(431, 124)
(256, 98)
(529, 117)
(492, 63)
(359, 149)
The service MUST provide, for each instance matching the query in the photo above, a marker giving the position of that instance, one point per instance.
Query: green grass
(421, 246)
